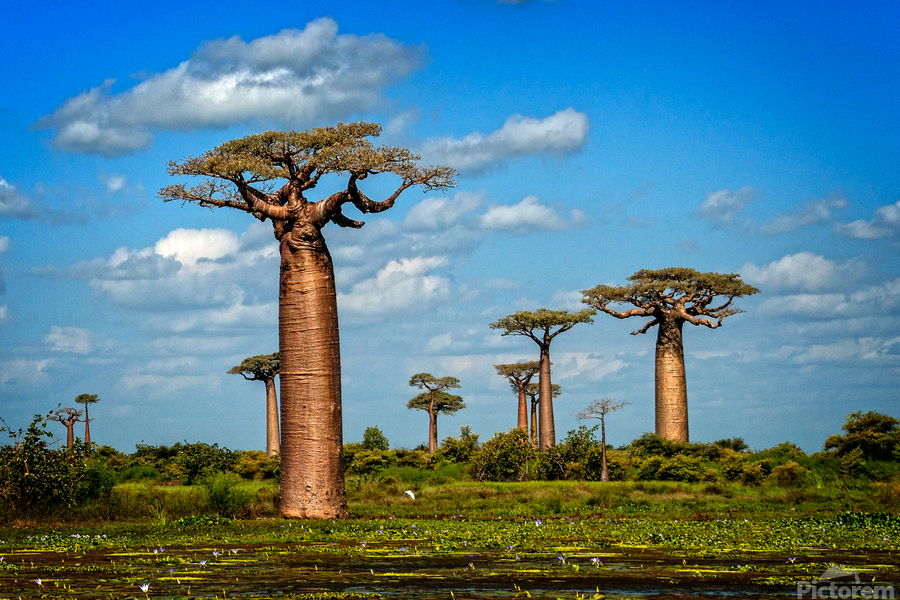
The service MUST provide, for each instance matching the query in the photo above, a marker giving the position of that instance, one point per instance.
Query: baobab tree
(264, 367)
(670, 298)
(68, 417)
(519, 375)
(598, 409)
(87, 399)
(268, 176)
(435, 399)
(533, 391)
(541, 326)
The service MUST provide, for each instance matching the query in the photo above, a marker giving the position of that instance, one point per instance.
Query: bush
(458, 450)
(375, 440)
(790, 475)
(505, 457)
(224, 496)
(754, 473)
(417, 459)
(688, 469)
(196, 459)
(254, 464)
(138, 472)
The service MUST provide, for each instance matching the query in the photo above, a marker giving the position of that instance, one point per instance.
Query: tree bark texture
(523, 410)
(547, 430)
(273, 437)
(534, 424)
(432, 430)
(604, 472)
(671, 384)
(312, 472)
(87, 427)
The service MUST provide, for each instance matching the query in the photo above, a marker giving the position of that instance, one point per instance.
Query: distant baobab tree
(87, 400)
(533, 391)
(268, 176)
(598, 409)
(264, 367)
(670, 298)
(68, 417)
(435, 400)
(541, 326)
(519, 375)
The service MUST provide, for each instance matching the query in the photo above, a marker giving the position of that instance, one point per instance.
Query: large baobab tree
(541, 326)
(598, 409)
(670, 298)
(519, 375)
(435, 399)
(68, 417)
(268, 176)
(87, 400)
(533, 391)
(264, 367)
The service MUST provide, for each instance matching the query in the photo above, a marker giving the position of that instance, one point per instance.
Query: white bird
(410, 494)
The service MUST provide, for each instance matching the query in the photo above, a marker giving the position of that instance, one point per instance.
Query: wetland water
(405, 560)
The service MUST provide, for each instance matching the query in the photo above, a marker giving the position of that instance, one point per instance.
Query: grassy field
(463, 539)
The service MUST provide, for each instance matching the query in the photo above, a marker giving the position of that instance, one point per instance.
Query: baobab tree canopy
(258, 368)
(435, 399)
(676, 292)
(670, 298)
(267, 175)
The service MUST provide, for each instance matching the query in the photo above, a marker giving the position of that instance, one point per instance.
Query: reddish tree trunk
(523, 409)
(312, 472)
(534, 425)
(273, 439)
(87, 428)
(432, 431)
(547, 431)
(671, 384)
(604, 472)
(70, 433)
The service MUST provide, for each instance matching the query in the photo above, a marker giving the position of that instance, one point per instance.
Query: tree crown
(429, 382)
(598, 409)
(526, 322)
(258, 368)
(679, 292)
(518, 373)
(533, 391)
(87, 399)
(443, 402)
(241, 173)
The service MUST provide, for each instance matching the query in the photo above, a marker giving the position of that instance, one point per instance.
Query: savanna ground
(464, 539)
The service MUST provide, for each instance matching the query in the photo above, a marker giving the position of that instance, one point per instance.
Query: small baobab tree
(670, 298)
(519, 375)
(598, 409)
(541, 326)
(435, 399)
(87, 400)
(269, 176)
(68, 417)
(264, 367)
(533, 391)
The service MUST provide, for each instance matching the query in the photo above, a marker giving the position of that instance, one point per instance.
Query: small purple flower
(518, 557)
(792, 559)
(171, 571)
(401, 549)
(38, 581)
(215, 553)
(234, 550)
(562, 558)
(510, 548)
(596, 562)
(202, 563)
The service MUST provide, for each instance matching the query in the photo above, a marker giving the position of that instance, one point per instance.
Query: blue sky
(590, 143)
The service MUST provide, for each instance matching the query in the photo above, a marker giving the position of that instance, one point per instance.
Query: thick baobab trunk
(545, 408)
(604, 472)
(671, 385)
(70, 433)
(87, 428)
(432, 431)
(312, 472)
(534, 424)
(273, 439)
(523, 410)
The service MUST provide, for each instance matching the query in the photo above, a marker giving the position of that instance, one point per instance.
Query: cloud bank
(291, 78)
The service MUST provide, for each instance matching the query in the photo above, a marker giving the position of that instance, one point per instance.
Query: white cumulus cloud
(529, 215)
(401, 285)
(801, 271)
(726, 206)
(560, 134)
(812, 213)
(885, 224)
(291, 78)
(71, 339)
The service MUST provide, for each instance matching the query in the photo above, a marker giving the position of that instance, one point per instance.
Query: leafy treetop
(429, 382)
(240, 173)
(518, 373)
(260, 367)
(87, 399)
(443, 402)
(680, 292)
(526, 323)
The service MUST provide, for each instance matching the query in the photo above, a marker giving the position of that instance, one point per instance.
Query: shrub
(688, 469)
(198, 458)
(790, 475)
(138, 472)
(458, 450)
(375, 440)
(224, 496)
(754, 473)
(505, 457)
(418, 459)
